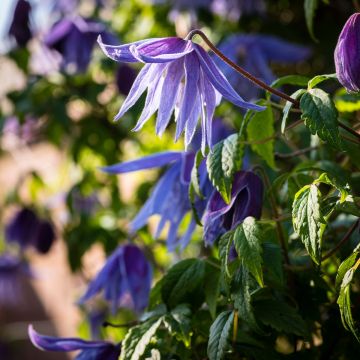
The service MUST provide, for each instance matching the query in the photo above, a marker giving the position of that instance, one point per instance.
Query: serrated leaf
(287, 108)
(240, 294)
(260, 127)
(219, 336)
(320, 116)
(182, 281)
(280, 316)
(225, 243)
(137, 339)
(178, 322)
(247, 240)
(319, 79)
(223, 162)
(310, 7)
(308, 222)
(212, 286)
(336, 183)
(344, 301)
(345, 266)
(290, 80)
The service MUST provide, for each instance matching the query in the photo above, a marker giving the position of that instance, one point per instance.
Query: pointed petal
(162, 50)
(187, 164)
(219, 81)
(121, 52)
(191, 91)
(147, 162)
(191, 124)
(169, 94)
(51, 343)
(140, 84)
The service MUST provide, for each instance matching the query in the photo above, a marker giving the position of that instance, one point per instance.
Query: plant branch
(344, 240)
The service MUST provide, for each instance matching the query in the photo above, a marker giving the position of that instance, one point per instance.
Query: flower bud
(347, 54)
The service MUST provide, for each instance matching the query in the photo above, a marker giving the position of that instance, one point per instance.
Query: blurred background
(60, 217)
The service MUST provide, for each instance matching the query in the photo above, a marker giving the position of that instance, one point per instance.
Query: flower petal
(219, 81)
(147, 162)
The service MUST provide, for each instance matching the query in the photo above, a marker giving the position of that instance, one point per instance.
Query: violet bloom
(26, 229)
(125, 280)
(12, 270)
(246, 200)
(255, 53)
(180, 75)
(20, 25)
(347, 55)
(74, 39)
(90, 350)
(234, 9)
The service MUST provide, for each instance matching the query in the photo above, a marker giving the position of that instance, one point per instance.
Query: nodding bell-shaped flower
(90, 350)
(347, 54)
(20, 25)
(125, 279)
(179, 76)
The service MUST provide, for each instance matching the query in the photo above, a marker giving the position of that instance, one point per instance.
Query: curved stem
(238, 68)
(343, 241)
(349, 129)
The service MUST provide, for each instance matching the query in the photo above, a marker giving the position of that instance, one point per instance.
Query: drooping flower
(246, 200)
(20, 25)
(234, 9)
(255, 53)
(347, 51)
(180, 76)
(26, 229)
(12, 271)
(74, 39)
(125, 279)
(90, 350)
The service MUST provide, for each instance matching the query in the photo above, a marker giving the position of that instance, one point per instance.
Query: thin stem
(275, 213)
(343, 241)
(235, 326)
(349, 129)
(295, 153)
(238, 68)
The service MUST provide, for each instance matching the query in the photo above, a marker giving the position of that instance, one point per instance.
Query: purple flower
(125, 77)
(90, 350)
(74, 39)
(12, 270)
(26, 229)
(125, 279)
(246, 200)
(20, 25)
(347, 54)
(234, 9)
(255, 53)
(169, 61)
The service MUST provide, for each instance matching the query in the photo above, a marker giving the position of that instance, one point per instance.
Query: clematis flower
(12, 270)
(246, 200)
(255, 53)
(347, 60)
(234, 9)
(94, 350)
(180, 76)
(20, 25)
(74, 39)
(26, 229)
(125, 279)
(125, 77)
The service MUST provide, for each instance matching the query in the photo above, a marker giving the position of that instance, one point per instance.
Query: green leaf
(247, 240)
(219, 336)
(349, 206)
(336, 183)
(224, 160)
(240, 293)
(319, 79)
(182, 282)
(310, 7)
(287, 108)
(178, 322)
(320, 116)
(308, 221)
(345, 266)
(280, 316)
(344, 301)
(137, 340)
(260, 127)
(290, 80)
(273, 263)
(224, 249)
(212, 285)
